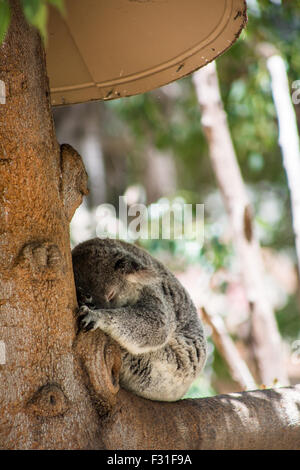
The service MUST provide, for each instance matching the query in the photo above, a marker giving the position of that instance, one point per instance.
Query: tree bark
(265, 335)
(59, 390)
(262, 419)
(44, 402)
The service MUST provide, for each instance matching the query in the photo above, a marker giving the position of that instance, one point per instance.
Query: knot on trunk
(48, 401)
(42, 258)
(73, 179)
(100, 359)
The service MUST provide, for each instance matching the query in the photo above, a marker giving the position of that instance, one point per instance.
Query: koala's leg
(140, 328)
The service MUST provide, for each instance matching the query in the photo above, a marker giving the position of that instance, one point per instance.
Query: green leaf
(40, 20)
(36, 13)
(4, 19)
(30, 8)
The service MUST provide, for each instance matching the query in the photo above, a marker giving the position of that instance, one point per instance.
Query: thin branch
(226, 347)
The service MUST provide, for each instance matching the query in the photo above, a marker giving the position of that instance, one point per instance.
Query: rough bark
(44, 402)
(58, 389)
(265, 335)
(262, 419)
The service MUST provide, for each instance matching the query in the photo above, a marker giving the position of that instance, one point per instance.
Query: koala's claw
(89, 326)
(87, 319)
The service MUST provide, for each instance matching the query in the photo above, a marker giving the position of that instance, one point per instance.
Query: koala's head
(107, 275)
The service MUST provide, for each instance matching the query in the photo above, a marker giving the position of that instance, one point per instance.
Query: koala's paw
(87, 319)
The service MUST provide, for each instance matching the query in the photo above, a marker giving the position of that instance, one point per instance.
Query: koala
(135, 299)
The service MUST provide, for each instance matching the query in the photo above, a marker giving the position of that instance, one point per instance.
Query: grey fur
(136, 300)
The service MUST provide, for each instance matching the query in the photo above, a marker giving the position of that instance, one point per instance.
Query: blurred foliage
(35, 11)
(288, 319)
(169, 124)
(169, 118)
(4, 18)
(174, 123)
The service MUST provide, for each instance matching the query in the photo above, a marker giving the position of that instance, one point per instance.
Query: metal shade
(106, 49)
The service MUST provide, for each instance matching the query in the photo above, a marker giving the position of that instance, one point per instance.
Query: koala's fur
(136, 300)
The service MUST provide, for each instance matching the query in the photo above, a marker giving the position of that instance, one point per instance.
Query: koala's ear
(134, 270)
(126, 265)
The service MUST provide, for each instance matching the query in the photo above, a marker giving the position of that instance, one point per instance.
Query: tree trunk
(43, 400)
(59, 390)
(288, 137)
(265, 335)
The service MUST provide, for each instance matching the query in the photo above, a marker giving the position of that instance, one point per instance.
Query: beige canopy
(105, 49)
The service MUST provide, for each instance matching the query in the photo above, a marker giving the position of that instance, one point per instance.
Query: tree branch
(238, 368)
(261, 419)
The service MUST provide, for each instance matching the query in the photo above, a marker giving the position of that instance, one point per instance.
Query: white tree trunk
(288, 138)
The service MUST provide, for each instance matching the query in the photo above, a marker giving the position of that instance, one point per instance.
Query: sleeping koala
(135, 299)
